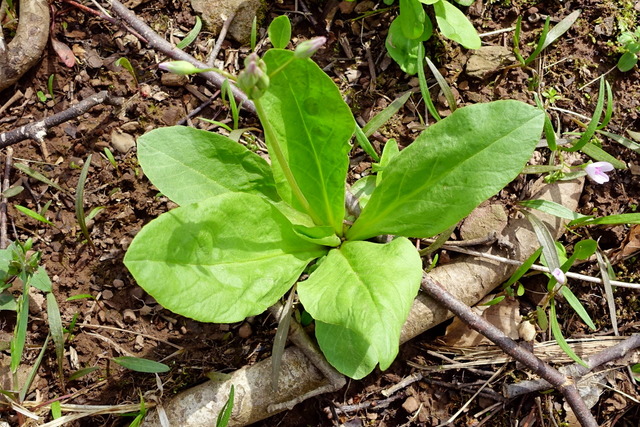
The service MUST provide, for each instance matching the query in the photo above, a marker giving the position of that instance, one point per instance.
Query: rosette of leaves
(413, 26)
(247, 229)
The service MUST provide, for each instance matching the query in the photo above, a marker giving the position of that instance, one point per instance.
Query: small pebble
(140, 341)
(102, 316)
(117, 283)
(245, 330)
(107, 294)
(129, 316)
(411, 405)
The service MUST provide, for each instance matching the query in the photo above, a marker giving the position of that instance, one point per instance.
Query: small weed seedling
(246, 230)
(630, 46)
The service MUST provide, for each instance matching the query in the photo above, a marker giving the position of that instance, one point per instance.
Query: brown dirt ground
(124, 320)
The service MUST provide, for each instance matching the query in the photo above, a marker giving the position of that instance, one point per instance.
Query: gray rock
(488, 60)
(212, 12)
(122, 141)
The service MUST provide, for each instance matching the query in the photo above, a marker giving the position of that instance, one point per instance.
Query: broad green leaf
(221, 260)
(323, 235)
(411, 18)
(280, 32)
(313, 126)
(189, 165)
(7, 302)
(455, 25)
(450, 169)
(141, 365)
(403, 50)
(360, 296)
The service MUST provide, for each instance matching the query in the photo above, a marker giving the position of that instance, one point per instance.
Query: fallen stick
(160, 44)
(468, 279)
(578, 371)
(567, 387)
(38, 130)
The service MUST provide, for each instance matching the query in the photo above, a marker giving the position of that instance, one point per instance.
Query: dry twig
(38, 130)
(160, 44)
(524, 356)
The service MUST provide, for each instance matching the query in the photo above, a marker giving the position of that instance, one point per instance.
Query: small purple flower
(559, 276)
(596, 171)
(307, 48)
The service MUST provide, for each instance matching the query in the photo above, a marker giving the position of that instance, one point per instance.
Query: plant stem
(276, 150)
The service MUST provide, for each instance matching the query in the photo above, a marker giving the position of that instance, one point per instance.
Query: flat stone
(173, 80)
(122, 141)
(484, 220)
(488, 60)
(214, 12)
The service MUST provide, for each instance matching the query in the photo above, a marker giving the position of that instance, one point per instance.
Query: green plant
(126, 64)
(20, 262)
(246, 230)
(630, 46)
(413, 26)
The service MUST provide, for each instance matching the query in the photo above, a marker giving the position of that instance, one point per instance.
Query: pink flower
(596, 171)
(559, 276)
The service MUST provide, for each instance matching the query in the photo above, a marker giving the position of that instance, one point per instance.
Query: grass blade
(55, 328)
(34, 370)
(608, 290)
(37, 175)
(562, 27)
(552, 208)
(523, 268)
(598, 154)
(80, 201)
(424, 87)
(280, 340)
(364, 143)
(20, 331)
(541, 41)
(557, 334)
(593, 124)
(444, 86)
(575, 303)
(225, 412)
(189, 38)
(33, 214)
(138, 364)
(547, 242)
(622, 140)
(383, 116)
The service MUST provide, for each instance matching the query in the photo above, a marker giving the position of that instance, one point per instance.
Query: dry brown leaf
(64, 52)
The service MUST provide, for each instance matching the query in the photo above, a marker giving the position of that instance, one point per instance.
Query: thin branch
(537, 267)
(38, 130)
(4, 241)
(223, 33)
(605, 356)
(524, 356)
(160, 44)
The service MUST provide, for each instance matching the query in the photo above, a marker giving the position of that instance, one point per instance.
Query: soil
(120, 319)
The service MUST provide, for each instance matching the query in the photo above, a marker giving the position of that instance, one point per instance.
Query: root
(27, 46)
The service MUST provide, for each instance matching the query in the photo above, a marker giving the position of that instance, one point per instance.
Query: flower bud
(253, 80)
(182, 68)
(559, 276)
(307, 48)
